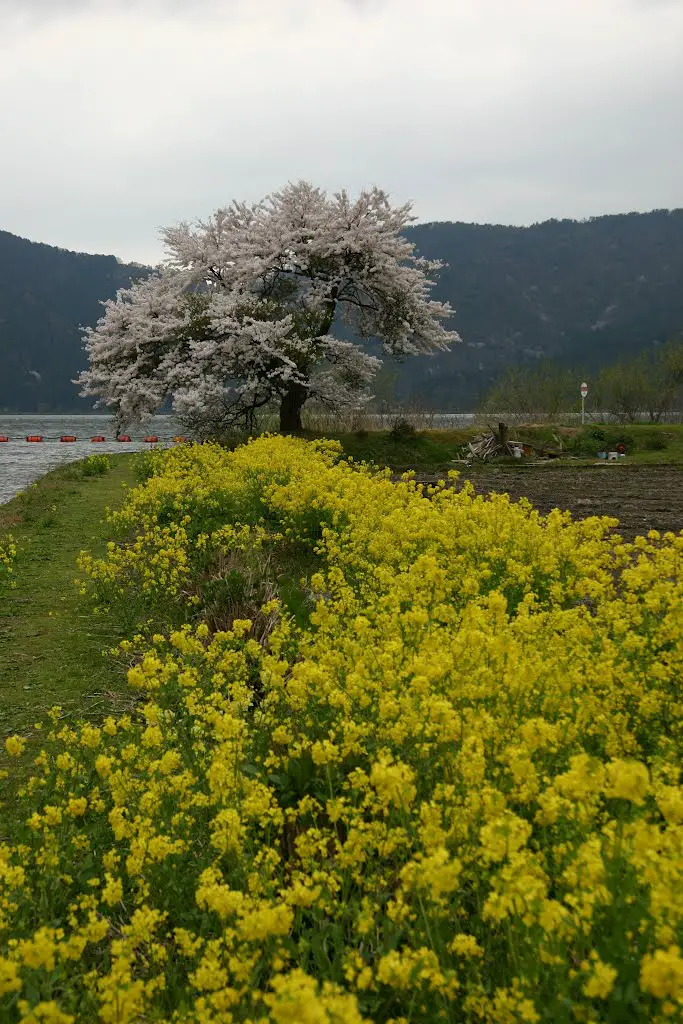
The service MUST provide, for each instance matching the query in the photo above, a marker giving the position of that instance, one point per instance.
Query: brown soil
(642, 498)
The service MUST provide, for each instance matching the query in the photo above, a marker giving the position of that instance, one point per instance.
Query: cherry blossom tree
(242, 313)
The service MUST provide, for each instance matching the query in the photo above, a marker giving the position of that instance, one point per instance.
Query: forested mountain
(45, 294)
(582, 292)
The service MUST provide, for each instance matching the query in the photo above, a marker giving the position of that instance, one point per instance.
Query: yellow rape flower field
(438, 778)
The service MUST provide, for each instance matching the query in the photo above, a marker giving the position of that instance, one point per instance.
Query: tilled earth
(642, 498)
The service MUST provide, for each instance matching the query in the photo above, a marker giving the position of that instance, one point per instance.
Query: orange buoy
(34, 437)
(151, 439)
(68, 437)
(178, 440)
(123, 437)
(4, 437)
(97, 437)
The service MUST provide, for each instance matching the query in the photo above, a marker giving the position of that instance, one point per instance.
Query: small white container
(612, 456)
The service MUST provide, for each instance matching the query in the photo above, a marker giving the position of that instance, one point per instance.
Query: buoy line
(94, 439)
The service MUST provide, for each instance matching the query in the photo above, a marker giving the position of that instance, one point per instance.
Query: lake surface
(23, 462)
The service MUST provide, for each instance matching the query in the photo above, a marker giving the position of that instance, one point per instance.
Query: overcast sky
(120, 116)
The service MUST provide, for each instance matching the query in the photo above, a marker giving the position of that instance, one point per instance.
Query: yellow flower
(629, 780)
(14, 745)
(103, 765)
(393, 782)
(53, 815)
(209, 975)
(77, 806)
(112, 892)
(90, 736)
(504, 836)
(465, 945)
(511, 1006)
(44, 1013)
(297, 999)
(152, 736)
(661, 973)
(40, 950)
(601, 980)
(265, 921)
(9, 976)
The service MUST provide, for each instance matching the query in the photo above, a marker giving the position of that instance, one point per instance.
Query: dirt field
(642, 498)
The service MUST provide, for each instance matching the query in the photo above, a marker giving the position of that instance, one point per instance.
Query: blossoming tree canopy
(242, 312)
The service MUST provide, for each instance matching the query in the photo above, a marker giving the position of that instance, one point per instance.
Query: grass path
(50, 642)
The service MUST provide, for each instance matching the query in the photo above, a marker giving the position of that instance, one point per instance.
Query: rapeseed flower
(437, 778)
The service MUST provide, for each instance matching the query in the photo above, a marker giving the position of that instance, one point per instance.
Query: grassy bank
(50, 642)
(436, 450)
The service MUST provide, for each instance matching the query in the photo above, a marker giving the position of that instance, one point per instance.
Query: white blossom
(242, 312)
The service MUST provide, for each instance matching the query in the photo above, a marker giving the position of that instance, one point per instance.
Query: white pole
(583, 410)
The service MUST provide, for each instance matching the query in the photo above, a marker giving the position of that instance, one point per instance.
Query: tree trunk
(291, 405)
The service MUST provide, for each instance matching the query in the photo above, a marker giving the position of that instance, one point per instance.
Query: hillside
(583, 292)
(45, 294)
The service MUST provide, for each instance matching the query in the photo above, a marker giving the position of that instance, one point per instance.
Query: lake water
(23, 462)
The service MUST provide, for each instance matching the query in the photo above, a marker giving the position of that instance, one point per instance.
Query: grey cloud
(30, 13)
(119, 116)
(28, 10)
(28, 7)
(17, 16)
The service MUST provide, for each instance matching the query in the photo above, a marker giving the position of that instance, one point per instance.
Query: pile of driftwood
(496, 443)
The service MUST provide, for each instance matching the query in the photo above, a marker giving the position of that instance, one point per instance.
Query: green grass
(434, 451)
(429, 449)
(656, 444)
(646, 443)
(50, 642)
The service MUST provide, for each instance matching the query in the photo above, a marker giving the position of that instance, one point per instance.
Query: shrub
(8, 557)
(654, 440)
(580, 445)
(402, 430)
(95, 465)
(145, 464)
(592, 440)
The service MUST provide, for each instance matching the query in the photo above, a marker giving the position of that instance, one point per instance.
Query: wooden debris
(496, 443)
